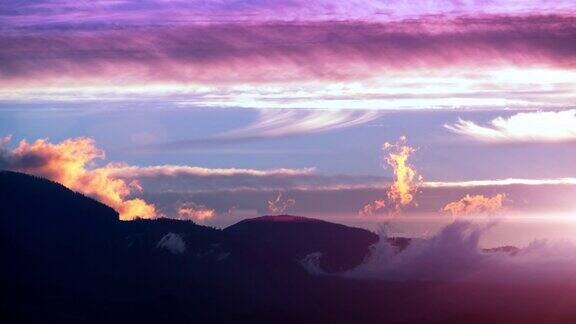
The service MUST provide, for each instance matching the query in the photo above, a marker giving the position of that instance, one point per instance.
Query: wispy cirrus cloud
(275, 123)
(538, 126)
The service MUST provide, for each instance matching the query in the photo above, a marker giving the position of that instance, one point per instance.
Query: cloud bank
(477, 59)
(500, 182)
(246, 53)
(454, 254)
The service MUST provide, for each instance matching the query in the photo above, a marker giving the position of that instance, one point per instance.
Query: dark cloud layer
(279, 52)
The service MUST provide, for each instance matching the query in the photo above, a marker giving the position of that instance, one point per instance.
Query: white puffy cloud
(538, 126)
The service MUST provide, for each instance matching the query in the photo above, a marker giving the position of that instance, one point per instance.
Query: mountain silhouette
(67, 258)
(44, 226)
(287, 237)
(59, 244)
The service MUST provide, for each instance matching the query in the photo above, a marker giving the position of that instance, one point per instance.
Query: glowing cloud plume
(68, 163)
(279, 205)
(406, 179)
(192, 211)
(475, 205)
(539, 126)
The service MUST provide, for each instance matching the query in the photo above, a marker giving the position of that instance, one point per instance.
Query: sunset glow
(248, 161)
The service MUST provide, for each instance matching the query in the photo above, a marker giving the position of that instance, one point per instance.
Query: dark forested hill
(48, 231)
(41, 200)
(66, 256)
(286, 237)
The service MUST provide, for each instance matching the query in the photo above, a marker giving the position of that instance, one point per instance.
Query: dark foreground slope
(67, 259)
(67, 256)
(44, 226)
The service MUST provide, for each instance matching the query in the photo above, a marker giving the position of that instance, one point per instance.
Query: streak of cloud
(129, 171)
(500, 182)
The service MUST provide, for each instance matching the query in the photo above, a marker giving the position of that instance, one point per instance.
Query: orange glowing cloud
(406, 179)
(370, 208)
(192, 211)
(279, 205)
(475, 205)
(70, 163)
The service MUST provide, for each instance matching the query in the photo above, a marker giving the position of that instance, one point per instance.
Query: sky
(219, 110)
